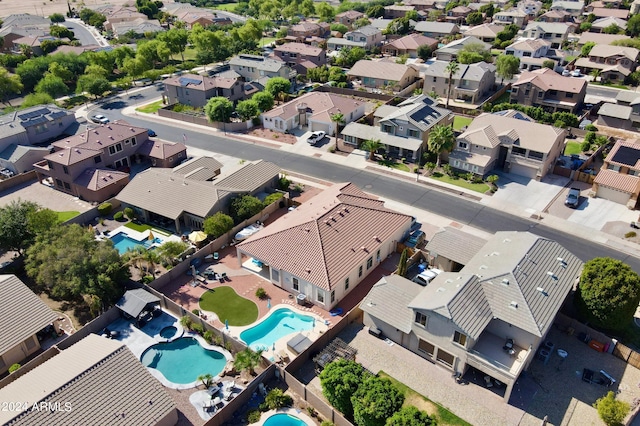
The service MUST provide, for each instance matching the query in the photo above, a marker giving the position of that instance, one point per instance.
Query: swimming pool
(124, 243)
(168, 332)
(183, 360)
(282, 419)
(281, 322)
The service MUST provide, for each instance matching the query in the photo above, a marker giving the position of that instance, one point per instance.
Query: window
(462, 145)
(275, 275)
(518, 151)
(526, 54)
(569, 95)
(296, 284)
(333, 296)
(514, 90)
(320, 296)
(67, 186)
(613, 167)
(59, 183)
(370, 262)
(30, 344)
(426, 347)
(360, 271)
(535, 155)
(97, 159)
(113, 149)
(553, 92)
(459, 338)
(526, 92)
(413, 133)
(387, 129)
(445, 357)
(378, 256)
(50, 165)
(65, 169)
(133, 141)
(435, 79)
(346, 284)
(421, 318)
(540, 94)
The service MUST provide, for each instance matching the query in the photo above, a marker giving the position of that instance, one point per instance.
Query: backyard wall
(90, 215)
(95, 326)
(17, 180)
(189, 118)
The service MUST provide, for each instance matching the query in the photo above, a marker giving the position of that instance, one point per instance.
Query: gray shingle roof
(367, 30)
(133, 302)
(13, 152)
(22, 313)
(436, 27)
(366, 132)
(389, 301)
(104, 383)
(455, 244)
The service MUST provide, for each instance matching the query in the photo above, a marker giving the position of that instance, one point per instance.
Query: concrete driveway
(526, 193)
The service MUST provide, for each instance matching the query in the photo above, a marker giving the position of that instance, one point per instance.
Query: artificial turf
(226, 303)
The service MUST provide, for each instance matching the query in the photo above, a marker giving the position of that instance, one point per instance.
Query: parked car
(151, 133)
(573, 198)
(316, 137)
(566, 72)
(576, 73)
(424, 278)
(100, 119)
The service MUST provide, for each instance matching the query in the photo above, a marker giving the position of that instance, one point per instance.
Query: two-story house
(408, 45)
(196, 90)
(395, 11)
(620, 115)
(458, 15)
(614, 62)
(530, 7)
(256, 67)
(555, 16)
(449, 52)
(403, 129)
(599, 25)
(382, 75)
(484, 32)
(574, 8)
(599, 38)
(93, 165)
(436, 29)
(349, 17)
(555, 33)
(511, 16)
(531, 52)
(471, 83)
(509, 141)
(300, 57)
(491, 317)
(547, 89)
(307, 30)
(603, 12)
(619, 177)
(366, 37)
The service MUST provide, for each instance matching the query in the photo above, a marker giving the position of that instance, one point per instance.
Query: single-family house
(555, 33)
(326, 247)
(94, 165)
(530, 7)
(619, 177)
(303, 30)
(512, 142)
(574, 8)
(402, 129)
(436, 29)
(450, 249)
(613, 4)
(383, 75)
(408, 45)
(555, 16)
(94, 381)
(33, 42)
(599, 38)
(449, 52)
(196, 90)
(256, 67)
(203, 17)
(599, 25)
(23, 315)
(22, 25)
(370, 36)
(531, 52)
(614, 62)
(620, 116)
(547, 89)
(484, 32)
(349, 17)
(491, 317)
(471, 83)
(380, 23)
(603, 12)
(421, 4)
(140, 27)
(395, 11)
(196, 191)
(300, 57)
(116, 14)
(458, 15)
(313, 111)
(511, 16)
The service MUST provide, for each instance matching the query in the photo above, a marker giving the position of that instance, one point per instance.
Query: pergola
(137, 303)
(335, 350)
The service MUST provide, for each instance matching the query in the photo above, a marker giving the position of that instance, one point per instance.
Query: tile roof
(22, 313)
(607, 51)
(529, 44)
(96, 179)
(199, 168)
(102, 136)
(548, 27)
(351, 14)
(257, 61)
(420, 110)
(622, 182)
(389, 300)
(200, 82)
(322, 240)
(605, 11)
(156, 148)
(436, 27)
(379, 70)
(367, 30)
(321, 105)
(607, 21)
(300, 48)
(567, 5)
(101, 379)
(471, 72)
(484, 30)
(455, 244)
(412, 42)
(547, 79)
(622, 112)
(70, 156)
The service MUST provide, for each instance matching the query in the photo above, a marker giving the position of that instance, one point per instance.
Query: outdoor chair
(216, 256)
(487, 381)
(224, 277)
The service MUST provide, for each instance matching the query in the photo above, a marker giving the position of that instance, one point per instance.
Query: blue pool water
(123, 242)
(168, 332)
(281, 322)
(183, 360)
(284, 420)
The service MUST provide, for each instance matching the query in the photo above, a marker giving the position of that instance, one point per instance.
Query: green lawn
(617, 86)
(229, 7)
(573, 147)
(65, 216)
(141, 227)
(478, 187)
(411, 397)
(265, 41)
(459, 122)
(189, 54)
(394, 165)
(226, 303)
(150, 108)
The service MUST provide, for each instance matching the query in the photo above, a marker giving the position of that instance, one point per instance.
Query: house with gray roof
(402, 129)
(321, 251)
(555, 33)
(366, 37)
(435, 29)
(451, 249)
(22, 25)
(449, 52)
(471, 83)
(574, 8)
(95, 381)
(255, 67)
(510, 291)
(383, 75)
(513, 16)
(23, 315)
(193, 192)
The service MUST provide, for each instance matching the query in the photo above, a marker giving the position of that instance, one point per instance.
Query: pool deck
(160, 236)
(291, 411)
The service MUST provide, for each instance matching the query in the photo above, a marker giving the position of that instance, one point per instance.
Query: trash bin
(302, 298)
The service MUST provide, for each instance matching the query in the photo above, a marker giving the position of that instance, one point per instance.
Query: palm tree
(452, 68)
(595, 73)
(372, 145)
(441, 139)
(337, 118)
(134, 256)
(206, 379)
(247, 360)
(170, 250)
(152, 259)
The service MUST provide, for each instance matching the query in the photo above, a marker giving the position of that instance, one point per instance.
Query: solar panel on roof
(38, 120)
(185, 81)
(58, 114)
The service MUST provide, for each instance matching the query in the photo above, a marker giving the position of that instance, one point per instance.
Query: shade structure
(151, 237)
(197, 236)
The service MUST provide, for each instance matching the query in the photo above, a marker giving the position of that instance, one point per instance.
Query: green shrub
(263, 407)
(261, 293)
(283, 183)
(198, 328)
(14, 367)
(327, 423)
(196, 312)
(118, 216)
(186, 322)
(630, 234)
(276, 399)
(253, 416)
(272, 198)
(129, 213)
(312, 411)
(104, 209)
(585, 146)
(217, 340)
(208, 336)
(147, 279)
(591, 128)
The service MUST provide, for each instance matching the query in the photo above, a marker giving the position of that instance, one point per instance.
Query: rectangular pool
(123, 243)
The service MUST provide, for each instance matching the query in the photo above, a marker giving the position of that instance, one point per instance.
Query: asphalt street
(82, 34)
(456, 208)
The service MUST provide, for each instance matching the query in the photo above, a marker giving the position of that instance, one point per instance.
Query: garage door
(519, 169)
(316, 127)
(613, 195)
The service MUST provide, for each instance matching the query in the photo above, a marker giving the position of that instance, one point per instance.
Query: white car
(100, 119)
(424, 278)
(576, 73)
(316, 137)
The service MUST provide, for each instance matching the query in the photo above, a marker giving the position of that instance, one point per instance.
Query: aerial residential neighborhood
(305, 213)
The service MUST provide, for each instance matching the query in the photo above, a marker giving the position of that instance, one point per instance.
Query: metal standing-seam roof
(104, 383)
(22, 313)
(455, 244)
(135, 301)
(389, 301)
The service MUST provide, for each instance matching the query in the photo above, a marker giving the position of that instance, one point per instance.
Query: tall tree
(340, 380)
(507, 66)
(337, 118)
(452, 68)
(372, 146)
(264, 100)
(176, 39)
(9, 85)
(375, 401)
(278, 87)
(52, 85)
(247, 109)
(441, 139)
(217, 225)
(170, 250)
(247, 360)
(15, 231)
(218, 109)
(612, 411)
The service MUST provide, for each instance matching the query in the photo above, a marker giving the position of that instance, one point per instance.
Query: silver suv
(573, 198)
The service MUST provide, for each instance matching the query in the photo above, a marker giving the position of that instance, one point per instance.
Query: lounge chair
(224, 277)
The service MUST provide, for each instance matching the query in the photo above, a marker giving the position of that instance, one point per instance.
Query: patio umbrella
(226, 324)
(151, 237)
(269, 303)
(197, 236)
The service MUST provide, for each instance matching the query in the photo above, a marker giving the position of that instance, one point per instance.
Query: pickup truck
(573, 198)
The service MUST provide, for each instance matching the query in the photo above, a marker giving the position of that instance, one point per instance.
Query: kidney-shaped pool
(281, 322)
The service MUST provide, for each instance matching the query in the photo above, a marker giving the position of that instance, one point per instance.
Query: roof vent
(77, 151)
(111, 137)
(307, 230)
(552, 275)
(505, 281)
(483, 267)
(67, 141)
(363, 248)
(541, 290)
(449, 281)
(131, 128)
(441, 289)
(109, 175)
(326, 222)
(331, 218)
(513, 305)
(308, 270)
(346, 210)
(495, 253)
(563, 263)
(375, 237)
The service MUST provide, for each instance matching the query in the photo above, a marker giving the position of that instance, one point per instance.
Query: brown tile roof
(413, 41)
(22, 313)
(547, 79)
(484, 30)
(351, 14)
(529, 44)
(600, 38)
(100, 137)
(321, 104)
(97, 179)
(324, 239)
(605, 11)
(161, 149)
(71, 155)
(301, 48)
(204, 83)
(379, 70)
(615, 180)
(104, 383)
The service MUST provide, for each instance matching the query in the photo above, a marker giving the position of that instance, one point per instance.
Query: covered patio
(139, 305)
